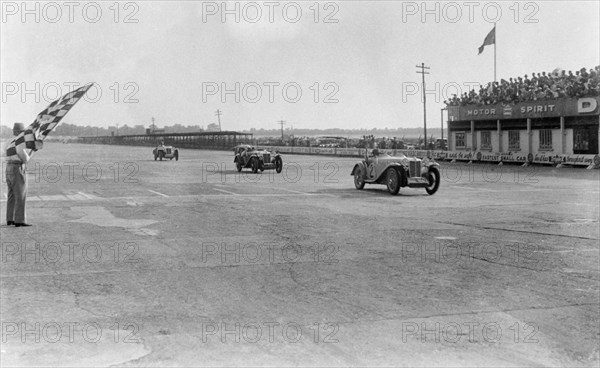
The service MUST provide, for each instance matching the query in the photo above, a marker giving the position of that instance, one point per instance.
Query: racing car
(396, 172)
(165, 152)
(247, 156)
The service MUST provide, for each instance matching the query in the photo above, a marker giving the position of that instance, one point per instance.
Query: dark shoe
(8, 223)
(18, 224)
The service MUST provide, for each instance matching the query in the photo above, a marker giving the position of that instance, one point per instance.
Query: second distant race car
(247, 156)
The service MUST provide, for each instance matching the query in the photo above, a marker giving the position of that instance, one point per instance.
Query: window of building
(486, 140)
(514, 140)
(546, 139)
(580, 141)
(459, 139)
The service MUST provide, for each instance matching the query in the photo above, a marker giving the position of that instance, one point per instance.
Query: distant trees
(213, 127)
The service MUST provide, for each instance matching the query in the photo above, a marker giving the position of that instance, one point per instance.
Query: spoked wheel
(278, 165)
(238, 165)
(155, 157)
(359, 179)
(254, 165)
(393, 181)
(434, 180)
(176, 155)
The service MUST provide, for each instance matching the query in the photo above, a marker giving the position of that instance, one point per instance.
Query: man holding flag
(16, 179)
(30, 138)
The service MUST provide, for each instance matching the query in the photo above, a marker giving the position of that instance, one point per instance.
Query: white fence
(591, 161)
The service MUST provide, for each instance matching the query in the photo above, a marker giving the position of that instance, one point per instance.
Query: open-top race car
(165, 152)
(256, 159)
(395, 172)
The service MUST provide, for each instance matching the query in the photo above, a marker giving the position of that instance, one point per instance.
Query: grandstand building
(535, 130)
(204, 140)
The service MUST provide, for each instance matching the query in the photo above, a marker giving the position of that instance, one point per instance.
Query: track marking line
(476, 189)
(225, 191)
(568, 251)
(55, 197)
(292, 191)
(160, 194)
(86, 195)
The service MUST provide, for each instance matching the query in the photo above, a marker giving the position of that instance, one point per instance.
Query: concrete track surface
(135, 262)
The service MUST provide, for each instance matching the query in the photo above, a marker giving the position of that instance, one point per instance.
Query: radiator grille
(168, 151)
(415, 168)
(267, 157)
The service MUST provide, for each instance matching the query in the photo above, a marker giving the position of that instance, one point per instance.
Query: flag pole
(495, 41)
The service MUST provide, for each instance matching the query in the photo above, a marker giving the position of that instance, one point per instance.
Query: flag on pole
(490, 39)
(46, 120)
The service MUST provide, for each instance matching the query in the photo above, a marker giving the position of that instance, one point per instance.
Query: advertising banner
(530, 109)
(496, 157)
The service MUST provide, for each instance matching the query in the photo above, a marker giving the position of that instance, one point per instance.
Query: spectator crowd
(556, 84)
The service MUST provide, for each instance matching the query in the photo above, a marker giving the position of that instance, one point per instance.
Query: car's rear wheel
(254, 164)
(434, 180)
(238, 165)
(393, 181)
(176, 155)
(359, 178)
(278, 165)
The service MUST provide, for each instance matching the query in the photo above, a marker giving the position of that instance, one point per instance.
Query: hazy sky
(173, 60)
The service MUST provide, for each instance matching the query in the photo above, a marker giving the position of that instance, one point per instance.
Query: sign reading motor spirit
(529, 109)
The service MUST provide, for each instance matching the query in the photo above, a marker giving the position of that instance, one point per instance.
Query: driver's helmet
(375, 152)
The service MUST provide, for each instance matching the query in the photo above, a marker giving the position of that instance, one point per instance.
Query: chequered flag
(46, 120)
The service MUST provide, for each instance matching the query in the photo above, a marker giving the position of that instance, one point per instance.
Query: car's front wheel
(238, 165)
(393, 181)
(254, 164)
(278, 165)
(359, 179)
(176, 155)
(155, 157)
(434, 180)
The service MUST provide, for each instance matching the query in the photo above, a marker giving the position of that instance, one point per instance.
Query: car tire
(434, 180)
(254, 164)
(392, 180)
(359, 178)
(176, 155)
(238, 165)
(278, 165)
(155, 157)
(160, 156)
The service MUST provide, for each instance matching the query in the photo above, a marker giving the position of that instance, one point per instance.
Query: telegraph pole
(219, 113)
(281, 122)
(423, 72)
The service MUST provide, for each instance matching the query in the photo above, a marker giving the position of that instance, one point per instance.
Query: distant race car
(247, 156)
(396, 172)
(165, 152)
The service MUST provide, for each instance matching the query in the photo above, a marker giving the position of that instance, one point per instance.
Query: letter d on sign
(587, 104)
